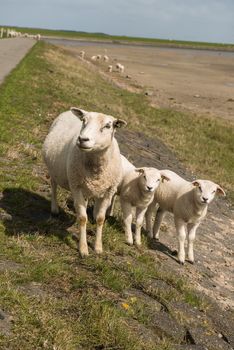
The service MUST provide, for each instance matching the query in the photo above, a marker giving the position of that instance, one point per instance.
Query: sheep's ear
(80, 113)
(196, 183)
(220, 191)
(164, 177)
(118, 123)
(140, 170)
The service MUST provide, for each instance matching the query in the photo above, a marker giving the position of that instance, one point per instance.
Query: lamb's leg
(80, 204)
(54, 203)
(110, 210)
(191, 237)
(181, 234)
(140, 213)
(158, 221)
(127, 219)
(149, 219)
(101, 206)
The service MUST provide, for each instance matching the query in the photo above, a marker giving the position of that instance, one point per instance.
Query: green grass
(69, 34)
(56, 299)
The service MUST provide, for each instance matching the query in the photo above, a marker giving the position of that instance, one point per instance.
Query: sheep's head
(205, 191)
(150, 178)
(97, 130)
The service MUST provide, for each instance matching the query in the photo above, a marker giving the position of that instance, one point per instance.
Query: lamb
(110, 68)
(120, 67)
(82, 54)
(94, 58)
(82, 155)
(188, 201)
(105, 58)
(137, 191)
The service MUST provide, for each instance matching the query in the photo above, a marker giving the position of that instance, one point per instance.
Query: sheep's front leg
(181, 234)
(191, 237)
(54, 203)
(149, 219)
(140, 213)
(100, 209)
(127, 219)
(80, 204)
(158, 221)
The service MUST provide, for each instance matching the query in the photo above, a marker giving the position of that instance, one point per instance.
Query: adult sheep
(83, 156)
(188, 201)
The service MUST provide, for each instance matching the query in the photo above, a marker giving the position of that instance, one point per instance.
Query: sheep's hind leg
(54, 203)
(127, 219)
(157, 223)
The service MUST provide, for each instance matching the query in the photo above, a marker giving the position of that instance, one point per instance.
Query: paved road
(11, 53)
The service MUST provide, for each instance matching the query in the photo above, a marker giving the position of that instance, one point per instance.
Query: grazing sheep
(38, 37)
(82, 54)
(82, 155)
(110, 68)
(94, 58)
(120, 67)
(99, 57)
(188, 201)
(137, 191)
(105, 58)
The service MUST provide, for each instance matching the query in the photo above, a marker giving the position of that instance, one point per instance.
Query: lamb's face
(149, 179)
(205, 191)
(97, 130)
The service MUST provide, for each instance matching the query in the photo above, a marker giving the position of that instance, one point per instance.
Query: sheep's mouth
(85, 148)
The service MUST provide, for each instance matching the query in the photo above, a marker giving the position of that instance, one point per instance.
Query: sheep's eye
(107, 126)
(214, 191)
(158, 180)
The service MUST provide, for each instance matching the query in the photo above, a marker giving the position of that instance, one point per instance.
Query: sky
(193, 20)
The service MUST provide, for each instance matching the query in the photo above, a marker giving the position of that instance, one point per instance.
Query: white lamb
(82, 155)
(94, 58)
(105, 58)
(188, 201)
(137, 191)
(120, 67)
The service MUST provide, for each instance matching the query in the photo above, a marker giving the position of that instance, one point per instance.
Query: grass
(56, 299)
(69, 34)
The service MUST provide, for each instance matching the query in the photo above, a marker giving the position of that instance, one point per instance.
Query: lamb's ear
(118, 123)
(140, 170)
(80, 113)
(164, 177)
(196, 183)
(220, 191)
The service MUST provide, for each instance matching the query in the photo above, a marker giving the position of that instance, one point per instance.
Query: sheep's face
(97, 130)
(205, 191)
(149, 179)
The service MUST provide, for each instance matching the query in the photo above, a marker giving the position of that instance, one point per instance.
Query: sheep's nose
(204, 199)
(149, 188)
(83, 139)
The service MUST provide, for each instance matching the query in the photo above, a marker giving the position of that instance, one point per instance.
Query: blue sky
(197, 20)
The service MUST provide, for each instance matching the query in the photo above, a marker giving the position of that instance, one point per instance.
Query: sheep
(137, 191)
(188, 201)
(120, 67)
(94, 58)
(105, 58)
(110, 68)
(82, 54)
(38, 37)
(82, 155)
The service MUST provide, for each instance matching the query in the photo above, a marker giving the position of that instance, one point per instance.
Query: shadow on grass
(29, 213)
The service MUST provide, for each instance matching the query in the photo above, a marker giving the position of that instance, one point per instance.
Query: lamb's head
(205, 191)
(97, 130)
(150, 178)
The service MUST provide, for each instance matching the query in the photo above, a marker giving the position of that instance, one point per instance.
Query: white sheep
(137, 191)
(94, 58)
(105, 58)
(110, 68)
(188, 201)
(99, 57)
(120, 67)
(82, 155)
(82, 54)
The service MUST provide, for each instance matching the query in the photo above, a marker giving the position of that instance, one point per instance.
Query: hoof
(129, 243)
(83, 253)
(181, 263)
(191, 262)
(98, 251)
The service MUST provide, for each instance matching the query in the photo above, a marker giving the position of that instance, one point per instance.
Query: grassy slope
(101, 36)
(56, 300)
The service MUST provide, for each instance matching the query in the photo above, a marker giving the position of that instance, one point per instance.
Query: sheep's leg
(149, 219)
(80, 204)
(54, 203)
(158, 221)
(110, 210)
(127, 219)
(101, 206)
(191, 237)
(140, 213)
(181, 234)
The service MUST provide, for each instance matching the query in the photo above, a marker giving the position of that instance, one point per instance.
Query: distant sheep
(110, 68)
(82, 54)
(105, 58)
(137, 191)
(188, 201)
(120, 67)
(82, 155)
(99, 57)
(94, 58)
